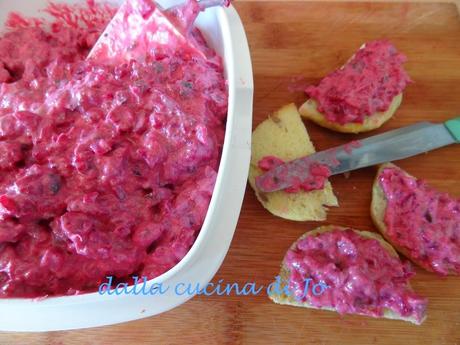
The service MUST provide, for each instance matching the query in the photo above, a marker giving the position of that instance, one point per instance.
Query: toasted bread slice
(309, 110)
(378, 209)
(282, 298)
(284, 135)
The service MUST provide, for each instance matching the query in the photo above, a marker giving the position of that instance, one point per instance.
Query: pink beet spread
(141, 31)
(423, 221)
(362, 277)
(365, 85)
(293, 174)
(318, 176)
(103, 170)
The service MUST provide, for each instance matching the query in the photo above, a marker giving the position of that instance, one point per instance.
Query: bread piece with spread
(362, 274)
(284, 136)
(361, 95)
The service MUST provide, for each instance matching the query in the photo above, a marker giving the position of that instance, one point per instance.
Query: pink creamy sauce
(103, 170)
(365, 85)
(362, 277)
(354, 144)
(423, 221)
(319, 171)
(318, 176)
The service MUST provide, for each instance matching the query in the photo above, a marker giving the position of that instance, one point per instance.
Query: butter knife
(390, 146)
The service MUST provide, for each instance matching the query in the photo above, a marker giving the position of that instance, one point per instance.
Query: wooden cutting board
(289, 40)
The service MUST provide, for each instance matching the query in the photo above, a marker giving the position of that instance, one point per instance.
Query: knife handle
(454, 128)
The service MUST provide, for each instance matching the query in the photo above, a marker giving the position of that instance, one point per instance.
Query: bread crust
(284, 299)
(309, 110)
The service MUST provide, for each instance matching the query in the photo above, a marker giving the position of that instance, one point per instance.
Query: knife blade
(394, 145)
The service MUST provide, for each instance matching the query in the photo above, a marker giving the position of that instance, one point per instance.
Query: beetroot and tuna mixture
(422, 221)
(104, 170)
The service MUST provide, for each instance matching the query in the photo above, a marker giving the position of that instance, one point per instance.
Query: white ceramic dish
(225, 33)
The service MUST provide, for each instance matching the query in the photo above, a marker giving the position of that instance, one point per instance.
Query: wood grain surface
(290, 40)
